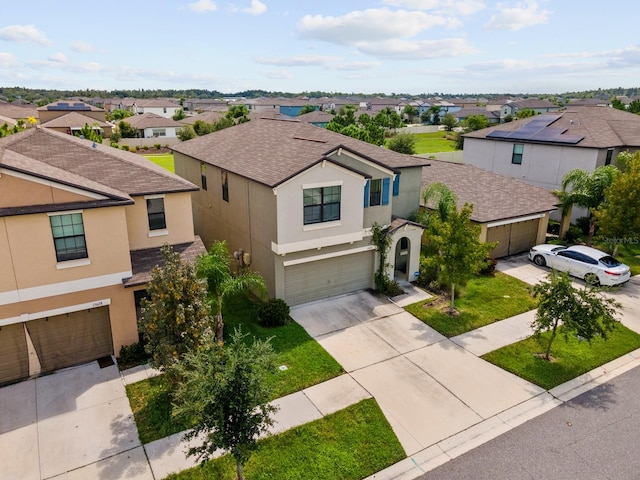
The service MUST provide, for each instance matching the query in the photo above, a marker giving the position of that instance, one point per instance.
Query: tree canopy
(402, 143)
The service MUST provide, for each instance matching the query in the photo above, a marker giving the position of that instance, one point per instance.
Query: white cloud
(203, 6)
(524, 14)
(256, 8)
(7, 60)
(24, 33)
(298, 61)
(451, 7)
(82, 47)
(418, 49)
(58, 57)
(278, 75)
(367, 25)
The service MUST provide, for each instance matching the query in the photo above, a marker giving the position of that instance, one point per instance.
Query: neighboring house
(589, 102)
(208, 117)
(72, 123)
(300, 201)
(536, 104)
(510, 212)
(81, 226)
(164, 107)
(17, 112)
(540, 150)
(464, 113)
(152, 125)
(292, 106)
(317, 118)
(58, 109)
(205, 105)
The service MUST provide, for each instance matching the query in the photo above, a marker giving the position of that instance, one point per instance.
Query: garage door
(14, 357)
(513, 238)
(311, 281)
(70, 339)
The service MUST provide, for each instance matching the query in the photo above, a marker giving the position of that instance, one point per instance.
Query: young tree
(222, 283)
(586, 189)
(126, 130)
(225, 389)
(179, 115)
(449, 121)
(175, 317)
(411, 112)
(403, 143)
(619, 215)
(186, 133)
(89, 133)
(238, 113)
(562, 307)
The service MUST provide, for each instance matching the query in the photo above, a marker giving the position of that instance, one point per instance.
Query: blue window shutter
(366, 194)
(385, 191)
(396, 185)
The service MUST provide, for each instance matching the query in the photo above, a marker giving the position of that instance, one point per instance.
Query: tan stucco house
(300, 202)
(81, 226)
(509, 211)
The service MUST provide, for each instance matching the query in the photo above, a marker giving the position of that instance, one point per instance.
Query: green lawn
(165, 160)
(350, 444)
(571, 359)
(434, 142)
(486, 299)
(306, 361)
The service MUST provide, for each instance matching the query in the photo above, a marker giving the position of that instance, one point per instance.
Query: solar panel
(538, 130)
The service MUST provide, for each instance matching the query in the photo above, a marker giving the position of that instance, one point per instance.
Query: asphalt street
(595, 436)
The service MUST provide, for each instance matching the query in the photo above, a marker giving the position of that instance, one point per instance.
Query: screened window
(155, 212)
(321, 204)
(375, 192)
(225, 186)
(68, 236)
(518, 149)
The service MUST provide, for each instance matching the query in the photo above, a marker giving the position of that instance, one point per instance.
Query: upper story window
(225, 186)
(321, 204)
(518, 149)
(376, 192)
(68, 236)
(607, 160)
(155, 212)
(203, 175)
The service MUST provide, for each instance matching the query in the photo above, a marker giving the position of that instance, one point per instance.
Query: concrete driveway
(73, 424)
(428, 387)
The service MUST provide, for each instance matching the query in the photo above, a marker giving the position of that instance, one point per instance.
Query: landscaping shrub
(489, 268)
(146, 147)
(553, 227)
(273, 313)
(132, 355)
(157, 146)
(583, 224)
(125, 147)
(573, 234)
(134, 149)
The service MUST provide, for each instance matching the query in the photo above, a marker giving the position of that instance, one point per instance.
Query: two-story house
(81, 226)
(300, 202)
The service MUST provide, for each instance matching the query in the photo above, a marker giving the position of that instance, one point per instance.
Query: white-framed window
(68, 236)
(155, 213)
(159, 132)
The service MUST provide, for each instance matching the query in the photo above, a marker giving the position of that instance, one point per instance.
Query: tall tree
(449, 121)
(175, 316)
(586, 190)
(411, 112)
(618, 216)
(225, 388)
(222, 283)
(562, 308)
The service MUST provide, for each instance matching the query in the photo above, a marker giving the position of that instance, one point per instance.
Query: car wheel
(540, 261)
(592, 279)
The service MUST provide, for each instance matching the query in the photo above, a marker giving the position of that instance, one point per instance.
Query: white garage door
(320, 279)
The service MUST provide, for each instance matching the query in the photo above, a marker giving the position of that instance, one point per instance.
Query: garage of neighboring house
(49, 343)
(512, 237)
(306, 281)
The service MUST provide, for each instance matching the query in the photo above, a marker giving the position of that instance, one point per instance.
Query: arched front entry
(403, 247)
(404, 255)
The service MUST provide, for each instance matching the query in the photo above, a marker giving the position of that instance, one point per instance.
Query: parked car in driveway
(590, 264)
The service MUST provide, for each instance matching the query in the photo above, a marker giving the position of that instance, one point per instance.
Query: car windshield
(608, 261)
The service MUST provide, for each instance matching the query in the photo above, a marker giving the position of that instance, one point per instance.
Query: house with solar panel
(81, 227)
(71, 116)
(540, 150)
(299, 202)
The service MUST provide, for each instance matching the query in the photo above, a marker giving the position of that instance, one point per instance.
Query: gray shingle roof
(73, 119)
(493, 196)
(151, 120)
(122, 171)
(272, 151)
(601, 127)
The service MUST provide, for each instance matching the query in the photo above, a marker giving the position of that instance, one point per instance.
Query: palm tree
(439, 197)
(587, 191)
(222, 283)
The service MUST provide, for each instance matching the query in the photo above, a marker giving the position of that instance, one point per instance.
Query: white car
(592, 265)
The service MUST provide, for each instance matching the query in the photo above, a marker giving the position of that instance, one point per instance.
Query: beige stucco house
(300, 202)
(81, 226)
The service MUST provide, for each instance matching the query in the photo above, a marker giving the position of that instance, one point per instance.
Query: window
(203, 175)
(375, 192)
(68, 236)
(225, 186)
(159, 132)
(155, 212)
(518, 148)
(321, 204)
(609, 156)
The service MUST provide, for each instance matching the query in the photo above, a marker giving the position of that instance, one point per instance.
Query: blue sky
(385, 46)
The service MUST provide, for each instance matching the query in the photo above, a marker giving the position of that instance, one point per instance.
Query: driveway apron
(428, 387)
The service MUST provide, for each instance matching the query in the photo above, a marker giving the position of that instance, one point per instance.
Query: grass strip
(350, 444)
(486, 299)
